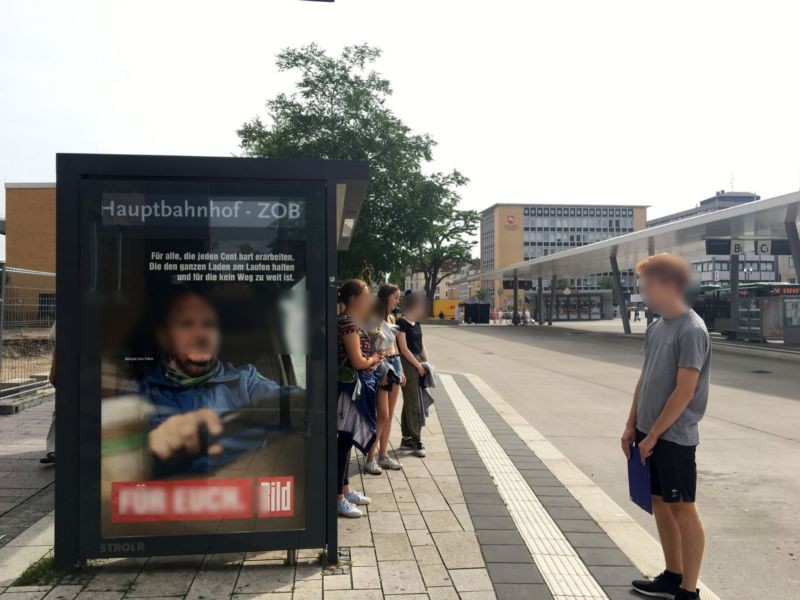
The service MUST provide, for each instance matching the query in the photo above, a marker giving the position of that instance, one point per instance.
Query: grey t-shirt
(670, 345)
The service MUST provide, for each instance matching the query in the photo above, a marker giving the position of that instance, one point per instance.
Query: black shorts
(673, 471)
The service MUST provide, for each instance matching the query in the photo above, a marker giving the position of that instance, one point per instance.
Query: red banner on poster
(189, 500)
(201, 500)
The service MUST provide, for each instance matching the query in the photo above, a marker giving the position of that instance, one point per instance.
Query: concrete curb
(24, 550)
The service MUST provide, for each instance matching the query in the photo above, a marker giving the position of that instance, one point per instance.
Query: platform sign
(741, 247)
(738, 247)
(193, 329)
(522, 284)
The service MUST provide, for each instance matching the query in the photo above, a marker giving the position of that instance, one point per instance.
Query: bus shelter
(195, 353)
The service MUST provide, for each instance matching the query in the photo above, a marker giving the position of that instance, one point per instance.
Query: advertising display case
(195, 384)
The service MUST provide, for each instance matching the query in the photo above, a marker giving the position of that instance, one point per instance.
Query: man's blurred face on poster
(190, 334)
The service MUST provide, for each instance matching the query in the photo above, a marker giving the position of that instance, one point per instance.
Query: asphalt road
(575, 388)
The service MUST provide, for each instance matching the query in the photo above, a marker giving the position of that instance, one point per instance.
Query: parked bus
(762, 309)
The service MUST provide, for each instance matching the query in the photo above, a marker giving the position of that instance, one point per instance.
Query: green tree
(482, 294)
(562, 284)
(338, 111)
(436, 241)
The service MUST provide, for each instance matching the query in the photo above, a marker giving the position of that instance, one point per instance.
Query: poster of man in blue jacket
(207, 412)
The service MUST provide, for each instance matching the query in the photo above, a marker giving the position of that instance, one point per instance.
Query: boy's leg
(676, 472)
(669, 534)
(693, 541)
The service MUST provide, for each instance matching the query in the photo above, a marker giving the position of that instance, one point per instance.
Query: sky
(574, 101)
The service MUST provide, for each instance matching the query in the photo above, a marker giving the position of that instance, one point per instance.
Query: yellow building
(31, 226)
(511, 233)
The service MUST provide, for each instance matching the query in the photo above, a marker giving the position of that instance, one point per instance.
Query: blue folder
(639, 481)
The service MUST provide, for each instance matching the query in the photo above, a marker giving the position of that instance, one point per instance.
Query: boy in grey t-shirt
(669, 402)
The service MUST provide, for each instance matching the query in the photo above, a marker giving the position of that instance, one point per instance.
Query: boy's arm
(676, 403)
(629, 435)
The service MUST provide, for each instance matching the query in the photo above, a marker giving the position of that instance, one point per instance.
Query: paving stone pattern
(609, 566)
(437, 530)
(416, 542)
(26, 487)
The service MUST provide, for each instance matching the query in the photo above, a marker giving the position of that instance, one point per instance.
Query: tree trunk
(430, 287)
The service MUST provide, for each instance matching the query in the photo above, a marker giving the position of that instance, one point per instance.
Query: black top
(413, 334)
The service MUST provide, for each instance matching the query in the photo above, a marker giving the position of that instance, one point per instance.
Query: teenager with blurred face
(668, 403)
(412, 354)
(354, 353)
(388, 298)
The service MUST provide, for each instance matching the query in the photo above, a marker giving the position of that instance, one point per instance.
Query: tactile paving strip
(564, 572)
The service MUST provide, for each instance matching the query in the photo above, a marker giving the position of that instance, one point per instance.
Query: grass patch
(44, 572)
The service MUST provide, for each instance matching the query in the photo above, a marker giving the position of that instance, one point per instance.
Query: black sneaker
(419, 450)
(687, 595)
(407, 444)
(665, 585)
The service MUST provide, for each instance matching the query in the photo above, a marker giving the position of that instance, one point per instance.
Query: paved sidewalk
(26, 487)
(416, 542)
(488, 514)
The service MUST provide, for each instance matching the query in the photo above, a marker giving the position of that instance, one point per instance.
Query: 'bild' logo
(275, 496)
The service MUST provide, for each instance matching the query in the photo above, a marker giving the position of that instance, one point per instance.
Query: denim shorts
(396, 365)
(394, 360)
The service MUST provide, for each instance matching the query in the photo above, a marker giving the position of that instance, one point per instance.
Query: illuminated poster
(207, 299)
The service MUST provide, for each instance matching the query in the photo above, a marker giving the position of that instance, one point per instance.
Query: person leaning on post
(668, 403)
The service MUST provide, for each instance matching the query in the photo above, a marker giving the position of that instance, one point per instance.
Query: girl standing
(356, 359)
(388, 298)
(412, 355)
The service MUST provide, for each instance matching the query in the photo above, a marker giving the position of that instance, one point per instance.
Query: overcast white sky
(570, 101)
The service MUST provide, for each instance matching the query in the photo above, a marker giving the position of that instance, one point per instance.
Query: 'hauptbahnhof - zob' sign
(194, 337)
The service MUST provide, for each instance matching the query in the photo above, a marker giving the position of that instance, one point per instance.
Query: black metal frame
(74, 342)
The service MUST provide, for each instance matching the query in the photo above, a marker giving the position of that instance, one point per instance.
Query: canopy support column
(623, 306)
(553, 283)
(794, 245)
(539, 302)
(651, 250)
(515, 312)
(734, 264)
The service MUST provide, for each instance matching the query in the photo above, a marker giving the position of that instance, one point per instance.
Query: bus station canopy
(770, 219)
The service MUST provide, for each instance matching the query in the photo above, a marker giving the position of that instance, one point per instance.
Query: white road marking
(562, 569)
(637, 544)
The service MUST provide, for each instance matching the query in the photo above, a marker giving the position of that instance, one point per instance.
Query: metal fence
(28, 301)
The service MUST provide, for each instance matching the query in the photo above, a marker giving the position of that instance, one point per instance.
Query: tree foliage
(438, 237)
(338, 111)
(606, 282)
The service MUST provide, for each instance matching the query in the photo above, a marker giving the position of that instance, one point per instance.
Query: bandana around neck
(174, 374)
